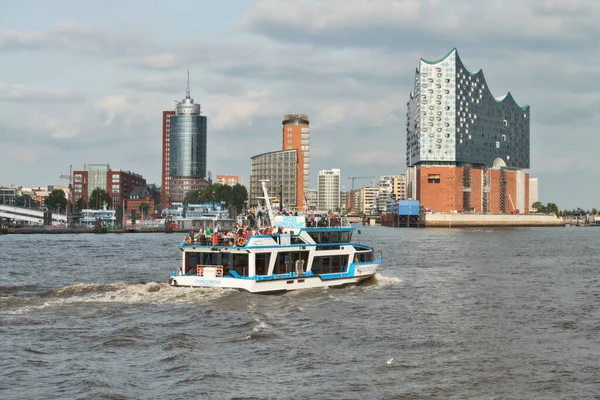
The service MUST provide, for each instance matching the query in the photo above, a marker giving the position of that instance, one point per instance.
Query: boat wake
(119, 292)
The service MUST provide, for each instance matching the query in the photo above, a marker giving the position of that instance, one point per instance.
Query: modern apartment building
(367, 200)
(184, 150)
(296, 135)
(465, 149)
(328, 188)
(280, 169)
(117, 183)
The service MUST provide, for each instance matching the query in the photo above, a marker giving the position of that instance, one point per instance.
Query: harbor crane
(359, 177)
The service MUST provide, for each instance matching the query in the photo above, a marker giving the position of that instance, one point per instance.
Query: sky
(86, 82)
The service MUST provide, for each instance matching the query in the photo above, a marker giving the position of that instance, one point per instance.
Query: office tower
(184, 151)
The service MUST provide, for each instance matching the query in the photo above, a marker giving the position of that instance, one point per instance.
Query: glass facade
(453, 119)
(97, 174)
(188, 146)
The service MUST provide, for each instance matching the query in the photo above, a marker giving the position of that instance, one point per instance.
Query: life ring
(219, 272)
(187, 240)
(200, 271)
(241, 241)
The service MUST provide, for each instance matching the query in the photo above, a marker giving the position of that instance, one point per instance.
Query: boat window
(364, 257)
(329, 264)
(331, 237)
(286, 261)
(239, 263)
(262, 263)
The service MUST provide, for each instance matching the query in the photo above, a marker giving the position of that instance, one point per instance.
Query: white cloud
(11, 92)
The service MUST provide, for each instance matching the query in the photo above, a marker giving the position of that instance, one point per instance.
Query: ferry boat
(295, 252)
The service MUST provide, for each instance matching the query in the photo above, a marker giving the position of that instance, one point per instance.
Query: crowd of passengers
(254, 227)
(230, 237)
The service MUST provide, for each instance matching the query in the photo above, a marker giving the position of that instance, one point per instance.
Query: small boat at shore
(295, 252)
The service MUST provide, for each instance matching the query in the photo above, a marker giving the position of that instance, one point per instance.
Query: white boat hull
(275, 284)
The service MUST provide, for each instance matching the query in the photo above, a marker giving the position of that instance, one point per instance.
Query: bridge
(30, 215)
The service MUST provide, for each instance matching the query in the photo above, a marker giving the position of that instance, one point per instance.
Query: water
(494, 314)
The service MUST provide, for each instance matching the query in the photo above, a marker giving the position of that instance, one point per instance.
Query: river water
(480, 313)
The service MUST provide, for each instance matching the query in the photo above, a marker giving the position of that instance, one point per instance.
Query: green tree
(56, 200)
(233, 196)
(539, 207)
(98, 198)
(80, 204)
(594, 211)
(238, 197)
(552, 208)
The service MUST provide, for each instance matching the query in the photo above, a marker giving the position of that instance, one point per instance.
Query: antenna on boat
(268, 201)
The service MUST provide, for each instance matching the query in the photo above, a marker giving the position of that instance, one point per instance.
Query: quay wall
(487, 220)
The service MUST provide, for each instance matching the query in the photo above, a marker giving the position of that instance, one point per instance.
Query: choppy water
(494, 314)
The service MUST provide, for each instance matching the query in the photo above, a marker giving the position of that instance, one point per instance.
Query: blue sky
(85, 83)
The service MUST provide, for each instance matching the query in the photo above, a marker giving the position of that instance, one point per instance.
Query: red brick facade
(441, 188)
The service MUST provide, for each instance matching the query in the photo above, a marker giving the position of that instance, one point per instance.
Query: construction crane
(359, 177)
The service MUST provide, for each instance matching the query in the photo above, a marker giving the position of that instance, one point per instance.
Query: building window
(433, 178)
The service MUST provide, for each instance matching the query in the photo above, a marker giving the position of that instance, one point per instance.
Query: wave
(118, 292)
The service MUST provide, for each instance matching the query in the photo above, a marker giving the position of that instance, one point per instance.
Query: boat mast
(268, 202)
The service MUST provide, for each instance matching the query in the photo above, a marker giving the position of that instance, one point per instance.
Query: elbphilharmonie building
(465, 149)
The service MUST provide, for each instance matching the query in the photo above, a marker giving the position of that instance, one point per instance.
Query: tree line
(234, 196)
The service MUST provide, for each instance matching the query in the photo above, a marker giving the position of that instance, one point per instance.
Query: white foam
(120, 292)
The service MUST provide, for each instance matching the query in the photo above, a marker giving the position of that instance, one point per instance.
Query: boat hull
(358, 274)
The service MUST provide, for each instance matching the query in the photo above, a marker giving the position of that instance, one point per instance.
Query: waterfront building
(466, 149)
(183, 150)
(328, 187)
(391, 188)
(142, 201)
(280, 169)
(117, 183)
(230, 180)
(296, 135)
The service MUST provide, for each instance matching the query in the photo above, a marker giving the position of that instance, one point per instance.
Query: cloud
(75, 37)
(11, 92)
(162, 61)
(409, 24)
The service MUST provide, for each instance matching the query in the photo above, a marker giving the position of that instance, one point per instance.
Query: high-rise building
(279, 168)
(184, 150)
(328, 187)
(465, 149)
(296, 135)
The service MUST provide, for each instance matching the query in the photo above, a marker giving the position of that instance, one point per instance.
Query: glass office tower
(184, 166)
